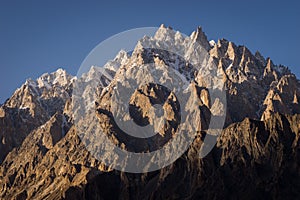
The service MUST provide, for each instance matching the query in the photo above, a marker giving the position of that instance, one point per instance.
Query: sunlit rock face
(256, 155)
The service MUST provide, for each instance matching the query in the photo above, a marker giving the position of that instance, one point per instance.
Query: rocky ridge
(256, 156)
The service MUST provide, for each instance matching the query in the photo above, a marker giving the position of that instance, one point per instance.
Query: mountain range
(256, 156)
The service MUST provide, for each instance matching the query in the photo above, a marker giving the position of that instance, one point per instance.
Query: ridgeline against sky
(38, 37)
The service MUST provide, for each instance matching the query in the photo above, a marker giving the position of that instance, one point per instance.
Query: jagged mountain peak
(200, 37)
(32, 105)
(57, 165)
(212, 43)
(164, 33)
(121, 59)
(260, 57)
(59, 77)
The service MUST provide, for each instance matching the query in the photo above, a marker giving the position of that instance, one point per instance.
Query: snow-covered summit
(59, 77)
(120, 59)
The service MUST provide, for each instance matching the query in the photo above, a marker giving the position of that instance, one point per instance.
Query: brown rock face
(251, 157)
(254, 83)
(257, 155)
(31, 106)
(283, 98)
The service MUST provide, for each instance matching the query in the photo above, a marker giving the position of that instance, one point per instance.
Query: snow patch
(212, 43)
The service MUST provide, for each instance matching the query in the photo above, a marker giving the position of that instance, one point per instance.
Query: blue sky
(41, 36)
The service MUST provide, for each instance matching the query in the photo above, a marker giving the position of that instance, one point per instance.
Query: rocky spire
(55, 157)
(231, 51)
(269, 66)
(269, 69)
(295, 101)
(199, 36)
(261, 59)
(164, 33)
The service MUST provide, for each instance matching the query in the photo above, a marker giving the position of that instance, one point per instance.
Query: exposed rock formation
(32, 105)
(256, 156)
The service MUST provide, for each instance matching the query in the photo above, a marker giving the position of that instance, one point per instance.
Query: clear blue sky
(41, 36)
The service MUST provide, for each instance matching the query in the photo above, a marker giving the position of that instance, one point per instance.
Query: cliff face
(256, 154)
(252, 159)
(32, 105)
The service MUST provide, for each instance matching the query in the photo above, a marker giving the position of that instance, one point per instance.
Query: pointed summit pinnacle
(270, 65)
(295, 101)
(199, 36)
(260, 58)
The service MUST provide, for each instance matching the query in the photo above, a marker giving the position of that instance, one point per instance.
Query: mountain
(31, 106)
(43, 154)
